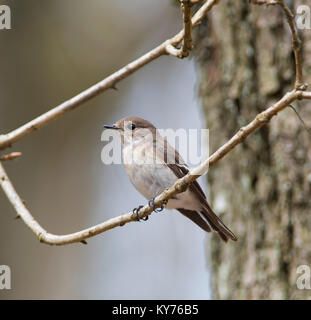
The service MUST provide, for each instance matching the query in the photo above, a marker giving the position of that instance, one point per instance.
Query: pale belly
(151, 180)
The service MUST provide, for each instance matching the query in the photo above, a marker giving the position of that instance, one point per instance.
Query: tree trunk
(262, 189)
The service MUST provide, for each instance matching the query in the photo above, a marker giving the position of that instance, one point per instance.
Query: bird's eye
(132, 126)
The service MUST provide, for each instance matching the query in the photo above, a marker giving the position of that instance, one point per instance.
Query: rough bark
(262, 189)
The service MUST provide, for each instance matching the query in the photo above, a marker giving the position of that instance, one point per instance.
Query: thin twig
(195, 1)
(297, 46)
(187, 36)
(10, 156)
(187, 42)
(6, 140)
(301, 120)
(264, 2)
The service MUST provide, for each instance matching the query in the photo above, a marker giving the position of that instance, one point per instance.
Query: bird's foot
(136, 211)
(152, 205)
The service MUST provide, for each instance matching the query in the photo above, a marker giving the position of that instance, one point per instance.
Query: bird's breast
(149, 176)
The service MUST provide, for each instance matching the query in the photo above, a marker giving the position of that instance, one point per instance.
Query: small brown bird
(153, 165)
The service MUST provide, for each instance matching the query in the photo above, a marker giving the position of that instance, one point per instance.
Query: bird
(153, 165)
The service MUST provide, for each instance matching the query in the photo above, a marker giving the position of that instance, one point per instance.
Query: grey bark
(262, 189)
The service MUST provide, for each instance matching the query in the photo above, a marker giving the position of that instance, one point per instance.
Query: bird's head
(133, 130)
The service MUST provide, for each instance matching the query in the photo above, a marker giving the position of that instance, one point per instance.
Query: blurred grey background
(55, 50)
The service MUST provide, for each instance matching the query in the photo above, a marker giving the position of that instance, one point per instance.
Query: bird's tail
(208, 221)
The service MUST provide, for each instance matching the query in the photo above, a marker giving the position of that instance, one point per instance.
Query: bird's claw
(136, 211)
(152, 205)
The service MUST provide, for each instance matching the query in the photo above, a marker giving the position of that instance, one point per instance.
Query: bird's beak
(110, 126)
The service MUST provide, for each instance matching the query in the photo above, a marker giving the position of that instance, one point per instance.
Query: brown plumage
(150, 179)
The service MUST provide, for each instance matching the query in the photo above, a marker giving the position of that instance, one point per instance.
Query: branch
(187, 42)
(195, 1)
(297, 46)
(306, 95)
(10, 156)
(8, 139)
(180, 185)
(266, 2)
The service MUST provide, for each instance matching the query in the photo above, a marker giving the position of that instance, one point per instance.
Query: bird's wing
(211, 220)
(176, 163)
(179, 167)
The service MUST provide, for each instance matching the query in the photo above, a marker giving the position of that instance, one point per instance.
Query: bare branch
(7, 140)
(180, 185)
(80, 236)
(306, 95)
(187, 32)
(266, 2)
(297, 46)
(171, 50)
(187, 42)
(10, 156)
(195, 1)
